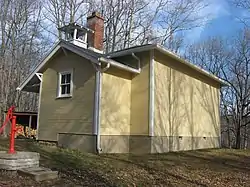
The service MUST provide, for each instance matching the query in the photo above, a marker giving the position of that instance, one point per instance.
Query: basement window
(65, 86)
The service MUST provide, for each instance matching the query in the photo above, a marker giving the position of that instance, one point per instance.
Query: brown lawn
(215, 167)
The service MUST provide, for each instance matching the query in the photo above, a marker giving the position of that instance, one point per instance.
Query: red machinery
(12, 118)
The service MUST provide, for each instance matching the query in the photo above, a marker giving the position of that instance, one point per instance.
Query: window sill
(64, 97)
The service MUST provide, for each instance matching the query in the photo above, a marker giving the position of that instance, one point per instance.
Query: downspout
(97, 107)
(98, 91)
(138, 59)
(151, 94)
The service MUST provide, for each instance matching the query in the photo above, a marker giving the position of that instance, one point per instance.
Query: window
(65, 84)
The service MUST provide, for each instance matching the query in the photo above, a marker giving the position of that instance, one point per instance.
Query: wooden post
(30, 121)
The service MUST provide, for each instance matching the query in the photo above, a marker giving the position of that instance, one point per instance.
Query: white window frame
(59, 89)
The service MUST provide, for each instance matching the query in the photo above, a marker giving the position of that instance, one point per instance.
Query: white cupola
(90, 37)
(76, 34)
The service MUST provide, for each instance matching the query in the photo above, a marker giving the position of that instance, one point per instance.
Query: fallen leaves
(192, 168)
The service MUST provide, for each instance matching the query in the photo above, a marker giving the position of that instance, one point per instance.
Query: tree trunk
(238, 138)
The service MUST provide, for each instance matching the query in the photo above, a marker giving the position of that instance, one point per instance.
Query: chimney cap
(95, 14)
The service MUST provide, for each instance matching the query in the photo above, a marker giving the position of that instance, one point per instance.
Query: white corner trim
(39, 107)
(151, 93)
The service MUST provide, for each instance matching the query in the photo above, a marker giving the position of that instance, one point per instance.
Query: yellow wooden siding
(115, 102)
(140, 98)
(162, 116)
(74, 115)
(184, 105)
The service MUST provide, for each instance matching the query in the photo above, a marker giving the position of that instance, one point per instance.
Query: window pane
(63, 79)
(68, 78)
(63, 89)
(68, 88)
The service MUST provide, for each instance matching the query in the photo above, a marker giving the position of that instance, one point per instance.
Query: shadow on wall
(120, 126)
(190, 115)
(115, 102)
(140, 98)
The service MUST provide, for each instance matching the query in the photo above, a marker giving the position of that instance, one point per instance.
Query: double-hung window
(65, 86)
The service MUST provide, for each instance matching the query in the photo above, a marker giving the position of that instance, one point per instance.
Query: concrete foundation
(155, 144)
(82, 142)
(138, 144)
(18, 160)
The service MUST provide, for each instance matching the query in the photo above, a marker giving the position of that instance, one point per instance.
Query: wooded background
(28, 29)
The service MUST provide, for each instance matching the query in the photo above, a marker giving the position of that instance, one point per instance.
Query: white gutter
(151, 94)
(138, 59)
(119, 65)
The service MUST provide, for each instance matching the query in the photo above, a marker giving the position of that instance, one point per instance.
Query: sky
(223, 20)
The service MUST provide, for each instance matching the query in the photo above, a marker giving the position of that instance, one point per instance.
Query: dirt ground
(215, 167)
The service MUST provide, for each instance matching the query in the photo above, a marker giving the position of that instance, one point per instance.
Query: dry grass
(217, 167)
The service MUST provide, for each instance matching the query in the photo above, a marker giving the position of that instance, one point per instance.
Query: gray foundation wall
(82, 142)
(156, 144)
(161, 144)
(125, 144)
(136, 144)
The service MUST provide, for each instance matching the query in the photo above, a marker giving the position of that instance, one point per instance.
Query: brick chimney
(95, 22)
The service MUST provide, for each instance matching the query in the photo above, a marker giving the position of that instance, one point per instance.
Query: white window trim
(59, 95)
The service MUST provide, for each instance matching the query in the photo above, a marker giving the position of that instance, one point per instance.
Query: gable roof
(161, 49)
(98, 57)
(85, 53)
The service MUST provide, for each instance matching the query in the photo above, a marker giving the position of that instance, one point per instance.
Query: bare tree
(130, 22)
(242, 5)
(21, 47)
(231, 62)
(60, 12)
(238, 77)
